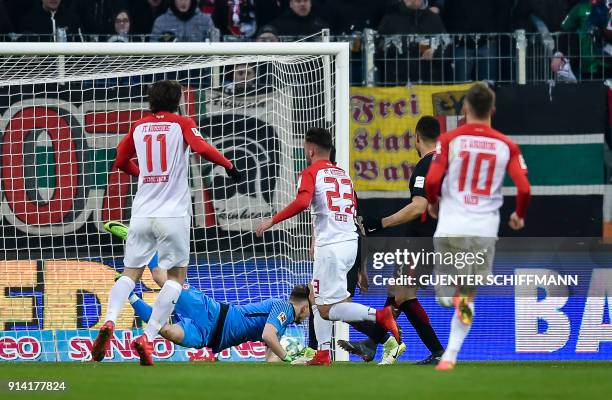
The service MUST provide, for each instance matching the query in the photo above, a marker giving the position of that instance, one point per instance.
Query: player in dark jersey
(419, 225)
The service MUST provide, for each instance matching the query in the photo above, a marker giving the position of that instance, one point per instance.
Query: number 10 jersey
(470, 163)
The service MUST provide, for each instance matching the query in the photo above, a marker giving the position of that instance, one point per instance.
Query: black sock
(390, 302)
(419, 319)
(312, 336)
(372, 330)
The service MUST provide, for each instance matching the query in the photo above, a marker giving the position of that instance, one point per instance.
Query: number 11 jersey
(333, 202)
(161, 143)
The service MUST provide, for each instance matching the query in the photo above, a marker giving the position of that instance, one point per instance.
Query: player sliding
(469, 167)
(195, 313)
(200, 321)
(161, 211)
(328, 190)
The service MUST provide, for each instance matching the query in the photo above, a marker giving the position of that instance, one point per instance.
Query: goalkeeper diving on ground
(199, 321)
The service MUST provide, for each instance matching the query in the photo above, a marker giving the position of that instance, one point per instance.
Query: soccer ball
(291, 345)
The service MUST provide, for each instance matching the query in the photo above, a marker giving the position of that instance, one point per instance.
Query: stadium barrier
(390, 60)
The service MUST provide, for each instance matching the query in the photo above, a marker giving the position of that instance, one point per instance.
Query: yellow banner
(382, 125)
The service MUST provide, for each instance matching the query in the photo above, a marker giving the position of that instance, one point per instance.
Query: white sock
(118, 296)
(323, 329)
(351, 312)
(163, 307)
(458, 333)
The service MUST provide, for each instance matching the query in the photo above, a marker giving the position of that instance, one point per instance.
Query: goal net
(65, 107)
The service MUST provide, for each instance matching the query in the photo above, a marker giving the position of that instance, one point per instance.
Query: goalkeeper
(200, 321)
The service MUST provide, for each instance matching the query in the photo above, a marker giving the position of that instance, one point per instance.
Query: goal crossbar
(340, 50)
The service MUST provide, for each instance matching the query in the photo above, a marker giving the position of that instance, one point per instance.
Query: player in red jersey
(161, 211)
(464, 189)
(328, 190)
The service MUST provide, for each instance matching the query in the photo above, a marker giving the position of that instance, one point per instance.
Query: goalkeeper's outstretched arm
(270, 337)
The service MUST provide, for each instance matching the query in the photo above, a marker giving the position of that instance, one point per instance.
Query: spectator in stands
(299, 20)
(578, 20)
(121, 27)
(51, 20)
(551, 12)
(6, 25)
(235, 17)
(411, 17)
(267, 33)
(96, 15)
(348, 16)
(242, 82)
(183, 22)
(145, 13)
(477, 58)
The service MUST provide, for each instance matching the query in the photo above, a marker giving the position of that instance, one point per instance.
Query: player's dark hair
(332, 155)
(299, 293)
(321, 137)
(481, 100)
(428, 129)
(165, 96)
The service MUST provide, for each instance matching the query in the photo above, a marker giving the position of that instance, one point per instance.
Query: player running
(328, 190)
(469, 168)
(161, 211)
(200, 321)
(419, 225)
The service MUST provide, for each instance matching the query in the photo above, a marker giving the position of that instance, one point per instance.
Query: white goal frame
(340, 52)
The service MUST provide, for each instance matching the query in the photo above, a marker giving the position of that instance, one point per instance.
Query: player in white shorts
(161, 212)
(328, 190)
(467, 174)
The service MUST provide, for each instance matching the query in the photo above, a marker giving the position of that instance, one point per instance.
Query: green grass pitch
(223, 380)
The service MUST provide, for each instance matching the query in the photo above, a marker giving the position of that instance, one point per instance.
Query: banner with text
(382, 124)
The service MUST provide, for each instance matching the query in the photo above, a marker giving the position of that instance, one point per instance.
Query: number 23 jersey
(333, 202)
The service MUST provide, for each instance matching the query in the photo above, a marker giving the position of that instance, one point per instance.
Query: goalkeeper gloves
(372, 225)
(234, 174)
(288, 358)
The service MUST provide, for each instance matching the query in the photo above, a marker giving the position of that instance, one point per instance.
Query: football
(291, 345)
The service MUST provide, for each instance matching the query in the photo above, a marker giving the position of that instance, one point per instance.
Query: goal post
(63, 109)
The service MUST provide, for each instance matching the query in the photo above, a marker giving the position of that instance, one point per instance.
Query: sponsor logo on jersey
(196, 132)
(419, 182)
(282, 318)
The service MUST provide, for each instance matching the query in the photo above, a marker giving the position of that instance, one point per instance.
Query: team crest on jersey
(185, 286)
(282, 317)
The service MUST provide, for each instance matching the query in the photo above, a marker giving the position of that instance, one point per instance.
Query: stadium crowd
(590, 21)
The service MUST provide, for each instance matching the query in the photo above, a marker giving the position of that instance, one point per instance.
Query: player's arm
(517, 169)
(197, 143)
(412, 211)
(125, 151)
(437, 170)
(270, 337)
(301, 202)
